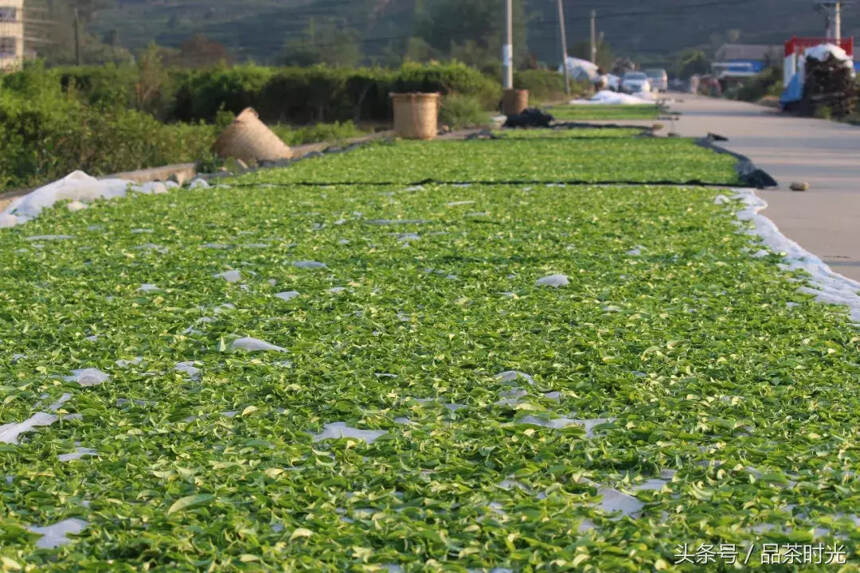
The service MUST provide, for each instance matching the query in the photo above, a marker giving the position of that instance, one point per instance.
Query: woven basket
(248, 139)
(514, 102)
(416, 115)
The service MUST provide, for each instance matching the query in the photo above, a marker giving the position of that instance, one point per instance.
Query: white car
(659, 79)
(635, 82)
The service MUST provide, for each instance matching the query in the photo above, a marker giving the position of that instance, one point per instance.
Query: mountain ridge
(258, 29)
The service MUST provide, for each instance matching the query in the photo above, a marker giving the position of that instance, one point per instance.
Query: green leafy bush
(767, 83)
(459, 111)
(201, 95)
(46, 136)
(294, 95)
(547, 86)
(330, 132)
(101, 86)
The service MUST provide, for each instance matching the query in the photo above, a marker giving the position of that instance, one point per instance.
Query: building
(738, 61)
(11, 34)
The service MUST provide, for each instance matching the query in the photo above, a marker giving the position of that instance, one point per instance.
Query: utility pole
(563, 47)
(77, 38)
(508, 48)
(837, 22)
(594, 36)
(833, 17)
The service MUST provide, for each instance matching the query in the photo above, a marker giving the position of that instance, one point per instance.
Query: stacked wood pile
(830, 87)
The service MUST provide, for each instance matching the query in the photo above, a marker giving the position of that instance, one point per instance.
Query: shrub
(459, 111)
(45, 137)
(767, 83)
(101, 86)
(450, 78)
(293, 95)
(201, 95)
(331, 132)
(823, 112)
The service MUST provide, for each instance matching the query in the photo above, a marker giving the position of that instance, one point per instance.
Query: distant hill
(650, 29)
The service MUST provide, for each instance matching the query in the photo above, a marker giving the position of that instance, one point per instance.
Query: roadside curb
(749, 174)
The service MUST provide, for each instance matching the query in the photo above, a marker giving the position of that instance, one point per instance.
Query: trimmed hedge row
(110, 118)
(321, 94)
(45, 137)
(294, 95)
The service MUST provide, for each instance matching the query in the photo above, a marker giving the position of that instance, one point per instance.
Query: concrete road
(824, 220)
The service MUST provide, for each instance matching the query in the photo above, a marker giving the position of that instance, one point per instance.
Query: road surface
(824, 220)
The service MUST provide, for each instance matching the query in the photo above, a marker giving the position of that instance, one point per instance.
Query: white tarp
(606, 97)
(77, 187)
(822, 52)
(827, 286)
(580, 69)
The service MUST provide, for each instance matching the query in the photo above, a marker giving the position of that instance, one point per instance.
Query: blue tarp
(793, 92)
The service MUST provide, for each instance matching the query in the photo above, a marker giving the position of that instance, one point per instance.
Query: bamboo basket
(248, 139)
(514, 102)
(416, 115)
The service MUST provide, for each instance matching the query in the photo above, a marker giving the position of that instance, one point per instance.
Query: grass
(547, 159)
(567, 133)
(595, 112)
(333, 132)
(700, 358)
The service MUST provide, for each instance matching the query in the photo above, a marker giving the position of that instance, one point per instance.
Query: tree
(418, 50)
(152, 79)
(324, 44)
(692, 62)
(472, 31)
(201, 52)
(605, 54)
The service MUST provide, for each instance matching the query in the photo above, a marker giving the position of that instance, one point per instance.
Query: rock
(800, 186)
(232, 276)
(255, 345)
(554, 281)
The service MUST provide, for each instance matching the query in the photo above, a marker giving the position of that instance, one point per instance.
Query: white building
(11, 34)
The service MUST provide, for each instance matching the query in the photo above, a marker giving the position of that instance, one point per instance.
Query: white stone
(230, 276)
(338, 430)
(189, 369)
(513, 376)
(309, 265)
(49, 237)
(554, 281)
(255, 345)
(88, 377)
(614, 500)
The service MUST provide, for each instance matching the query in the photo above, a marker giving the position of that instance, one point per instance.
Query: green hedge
(46, 136)
(292, 95)
(106, 119)
(322, 94)
(547, 86)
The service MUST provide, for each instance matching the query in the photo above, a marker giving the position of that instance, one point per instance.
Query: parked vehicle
(659, 79)
(635, 82)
